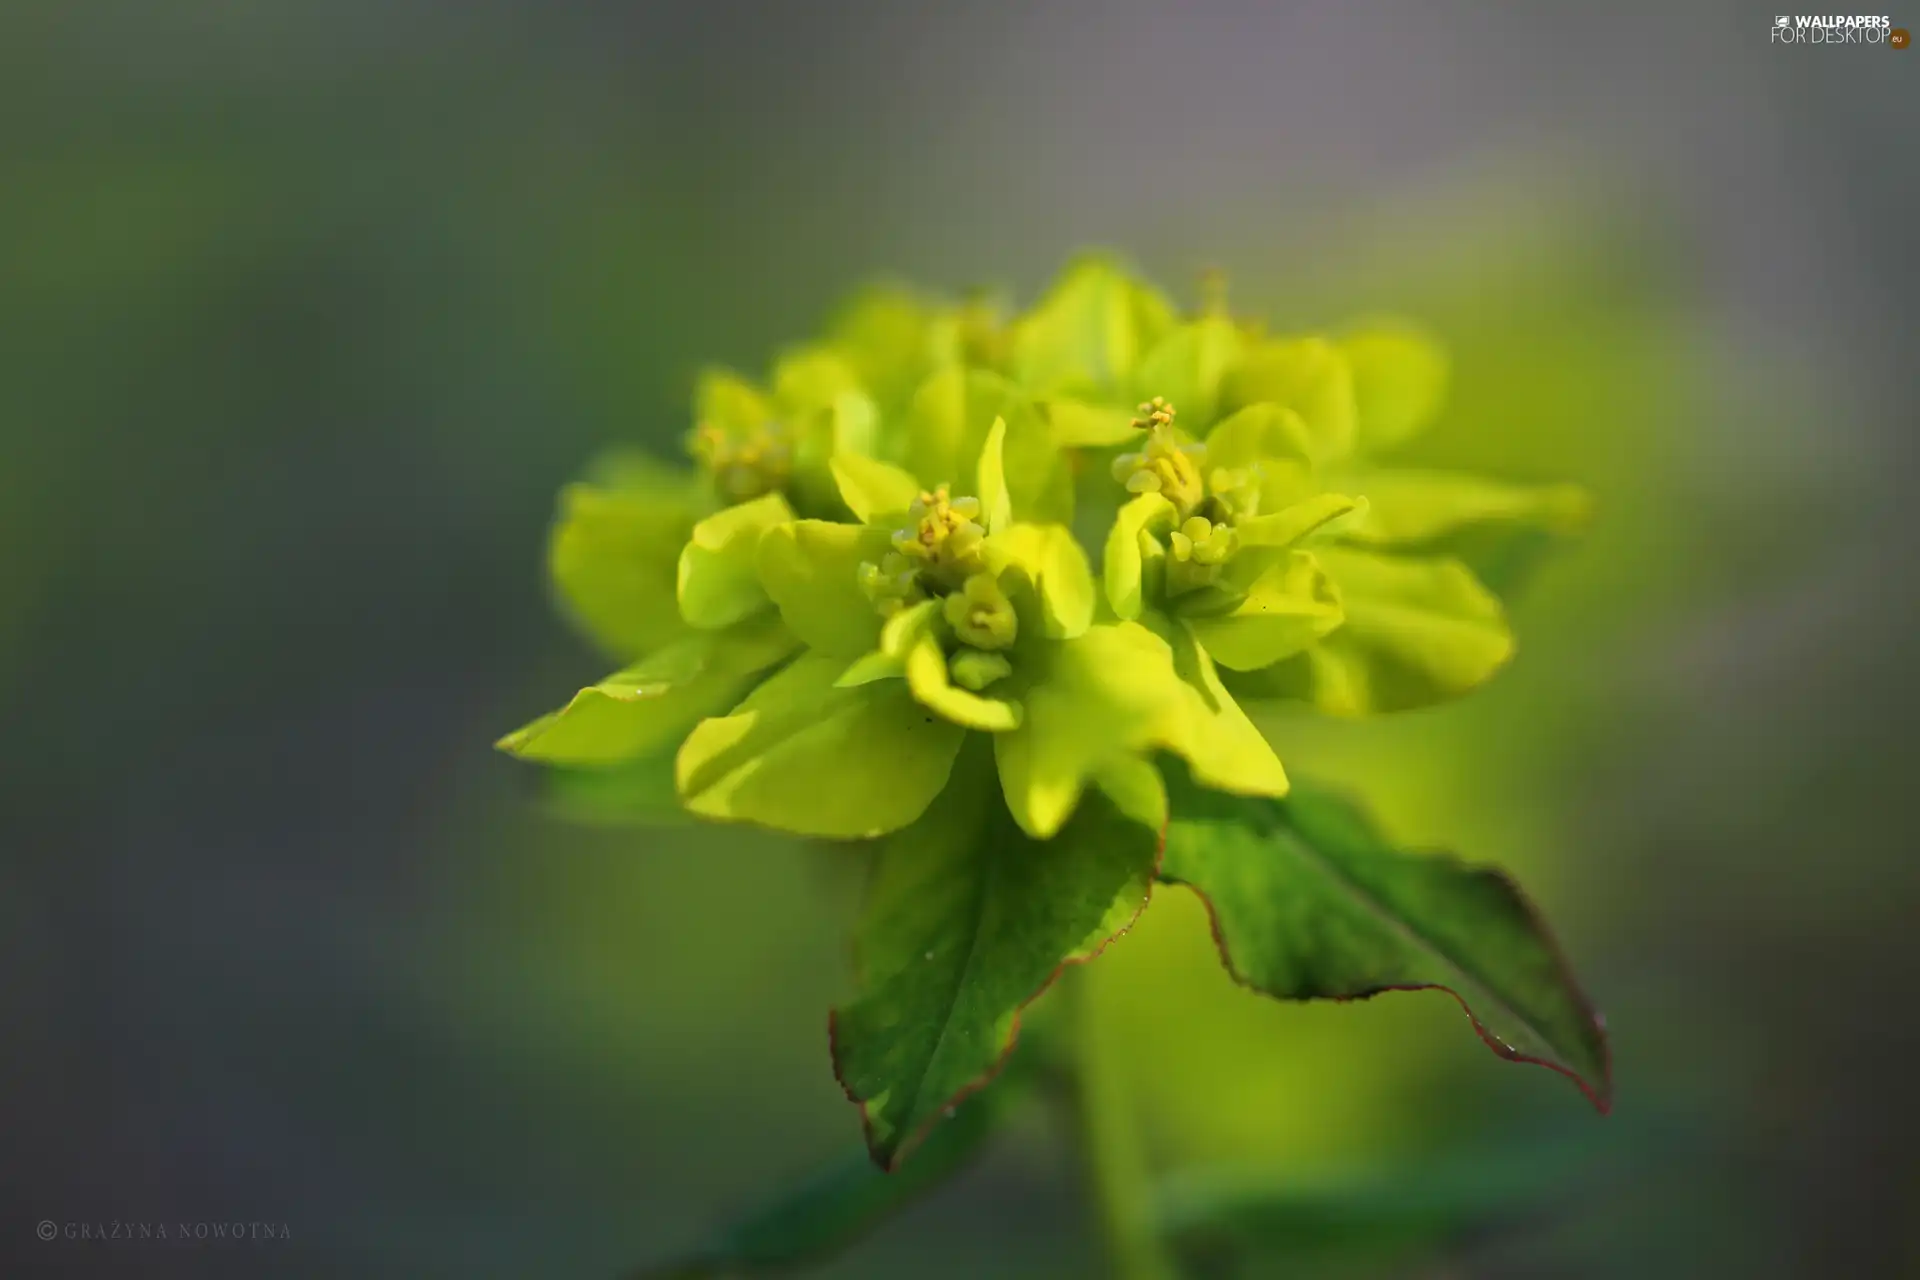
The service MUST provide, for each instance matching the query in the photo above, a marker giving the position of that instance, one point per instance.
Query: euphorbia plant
(987, 599)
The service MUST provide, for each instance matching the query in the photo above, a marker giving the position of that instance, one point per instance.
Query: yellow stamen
(943, 542)
(1163, 465)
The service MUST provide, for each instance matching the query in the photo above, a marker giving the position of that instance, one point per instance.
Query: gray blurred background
(306, 311)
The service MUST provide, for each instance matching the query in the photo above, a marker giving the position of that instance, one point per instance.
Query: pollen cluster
(943, 541)
(1164, 465)
(939, 556)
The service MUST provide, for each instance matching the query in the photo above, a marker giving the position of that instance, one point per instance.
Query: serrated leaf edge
(890, 1162)
(1599, 1093)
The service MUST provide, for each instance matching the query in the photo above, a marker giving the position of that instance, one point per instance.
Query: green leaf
(946, 431)
(648, 706)
(809, 379)
(847, 1200)
(1270, 446)
(1076, 424)
(724, 399)
(1416, 510)
(805, 755)
(811, 568)
(1498, 529)
(1228, 752)
(885, 331)
(947, 423)
(718, 581)
(1038, 471)
(1105, 695)
(877, 665)
(1122, 565)
(1298, 521)
(1309, 902)
(968, 921)
(872, 489)
(1308, 376)
(1090, 330)
(1399, 382)
(1053, 563)
(852, 427)
(1135, 787)
(995, 501)
(899, 638)
(1288, 607)
(1256, 433)
(613, 558)
(1417, 632)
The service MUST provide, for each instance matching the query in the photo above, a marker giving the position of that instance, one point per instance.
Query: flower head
(876, 559)
(948, 605)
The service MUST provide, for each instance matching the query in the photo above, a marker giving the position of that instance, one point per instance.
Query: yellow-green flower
(750, 441)
(1208, 552)
(809, 630)
(1421, 625)
(615, 550)
(936, 617)
(656, 564)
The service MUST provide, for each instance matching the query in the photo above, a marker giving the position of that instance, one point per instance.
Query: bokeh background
(307, 310)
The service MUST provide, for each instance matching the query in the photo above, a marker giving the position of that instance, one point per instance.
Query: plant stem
(1116, 1162)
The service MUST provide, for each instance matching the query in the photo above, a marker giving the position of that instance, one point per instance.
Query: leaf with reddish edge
(967, 921)
(1308, 902)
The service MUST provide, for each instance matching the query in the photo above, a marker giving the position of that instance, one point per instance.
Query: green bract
(614, 551)
(987, 593)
